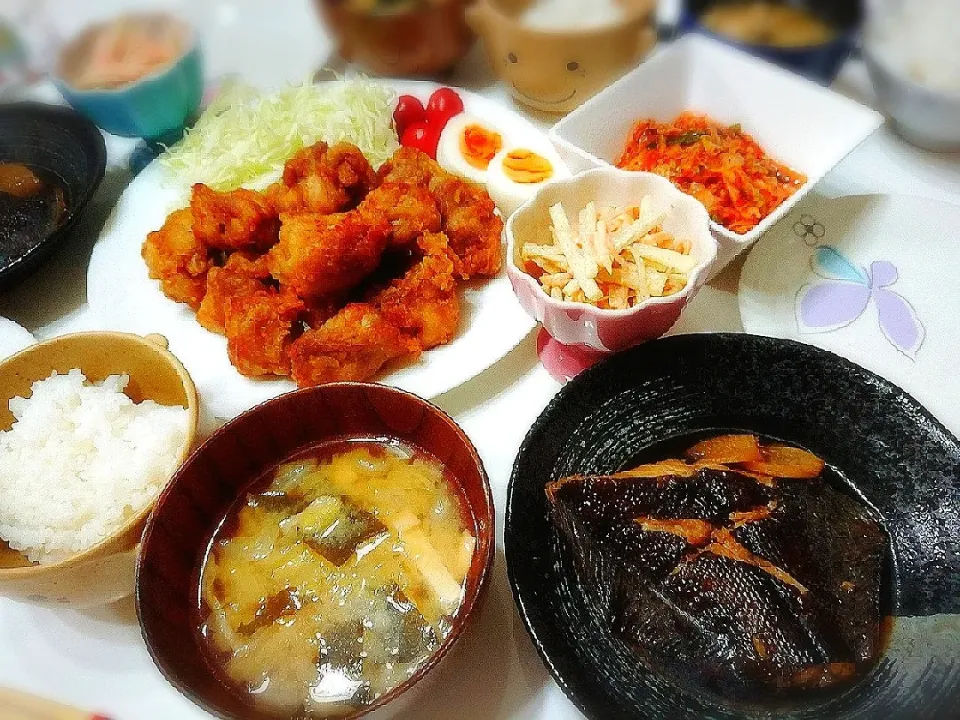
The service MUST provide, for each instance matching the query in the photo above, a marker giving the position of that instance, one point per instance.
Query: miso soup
(335, 579)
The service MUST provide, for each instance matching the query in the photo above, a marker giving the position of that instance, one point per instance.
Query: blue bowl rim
(190, 48)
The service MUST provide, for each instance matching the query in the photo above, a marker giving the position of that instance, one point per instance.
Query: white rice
(80, 460)
(572, 14)
(919, 39)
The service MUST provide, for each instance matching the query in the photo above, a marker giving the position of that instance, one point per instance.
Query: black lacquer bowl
(878, 439)
(66, 151)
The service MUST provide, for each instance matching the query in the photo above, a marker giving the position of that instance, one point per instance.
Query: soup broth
(768, 23)
(336, 580)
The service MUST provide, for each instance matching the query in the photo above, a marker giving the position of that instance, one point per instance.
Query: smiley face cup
(556, 70)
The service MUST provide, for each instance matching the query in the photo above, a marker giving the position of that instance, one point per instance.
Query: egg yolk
(527, 167)
(478, 145)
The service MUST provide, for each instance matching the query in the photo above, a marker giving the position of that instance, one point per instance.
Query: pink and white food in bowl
(666, 213)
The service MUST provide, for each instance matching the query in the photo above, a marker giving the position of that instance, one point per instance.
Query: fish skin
(717, 624)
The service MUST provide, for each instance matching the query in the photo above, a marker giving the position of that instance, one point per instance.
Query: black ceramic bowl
(878, 439)
(819, 62)
(65, 150)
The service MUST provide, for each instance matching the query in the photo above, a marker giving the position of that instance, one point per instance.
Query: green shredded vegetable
(245, 136)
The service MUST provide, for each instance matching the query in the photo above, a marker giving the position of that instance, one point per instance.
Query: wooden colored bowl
(404, 43)
(558, 70)
(105, 572)
(206, 486)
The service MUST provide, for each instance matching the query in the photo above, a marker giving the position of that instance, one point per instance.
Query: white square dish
(808, 127)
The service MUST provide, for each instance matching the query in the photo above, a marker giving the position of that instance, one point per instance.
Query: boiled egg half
(516, 174)
(467, 145)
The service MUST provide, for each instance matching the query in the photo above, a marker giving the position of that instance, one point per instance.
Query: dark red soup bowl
(221, 470)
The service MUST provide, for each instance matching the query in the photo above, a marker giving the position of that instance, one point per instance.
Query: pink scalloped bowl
(580, 324)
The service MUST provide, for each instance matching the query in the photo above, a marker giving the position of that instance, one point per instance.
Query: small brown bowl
(207, 485)
(426, 40)
(105, 572)
(556, 71)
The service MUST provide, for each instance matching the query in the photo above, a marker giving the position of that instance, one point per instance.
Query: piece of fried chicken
(259, 327)
(318, 310)
(471, 225)
(243, 274)
(410, 210)
(468, 215)
(176, 258)
(354, 345)
(424, 303)
(321, 255)
(322, 179)
(236, 220)
(409, 165)
(243, 302)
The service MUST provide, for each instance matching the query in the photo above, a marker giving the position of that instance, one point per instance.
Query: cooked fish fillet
(713, 578)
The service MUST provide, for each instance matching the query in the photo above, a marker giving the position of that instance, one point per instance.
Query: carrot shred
(721, 166)
(534, 270)
(727, 449)
(784, 461)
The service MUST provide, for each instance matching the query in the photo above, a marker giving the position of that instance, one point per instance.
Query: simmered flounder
(728, 580)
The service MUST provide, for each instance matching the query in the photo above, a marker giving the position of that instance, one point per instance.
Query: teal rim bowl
(156, 106)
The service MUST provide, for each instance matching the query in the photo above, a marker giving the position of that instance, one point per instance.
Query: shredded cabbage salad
(245, 136)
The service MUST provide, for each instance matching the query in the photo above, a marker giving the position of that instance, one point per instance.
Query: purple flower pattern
(847, 291)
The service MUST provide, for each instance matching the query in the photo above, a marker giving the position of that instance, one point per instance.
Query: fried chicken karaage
(176, 258)
(333, 272)
(259, 328)
(353, 345)
(322, 179)
(424, 303)
(410, 210)
(320, 255)
(243, 274)
(258, 318)
(411, 166)
(235, 220)
(468, 215)
(471, 224)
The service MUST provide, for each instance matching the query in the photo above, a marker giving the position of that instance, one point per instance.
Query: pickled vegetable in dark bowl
(810, 37)
(51, 162)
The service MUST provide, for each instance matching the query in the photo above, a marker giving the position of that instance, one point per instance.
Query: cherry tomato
(423, 136)
(443, 105)
(409, 110)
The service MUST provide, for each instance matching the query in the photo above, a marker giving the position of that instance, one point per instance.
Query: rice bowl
(103, 573)
(106, 456)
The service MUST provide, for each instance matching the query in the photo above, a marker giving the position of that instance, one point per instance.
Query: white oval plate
(13, 338)
(123, 297)
(873, 278)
